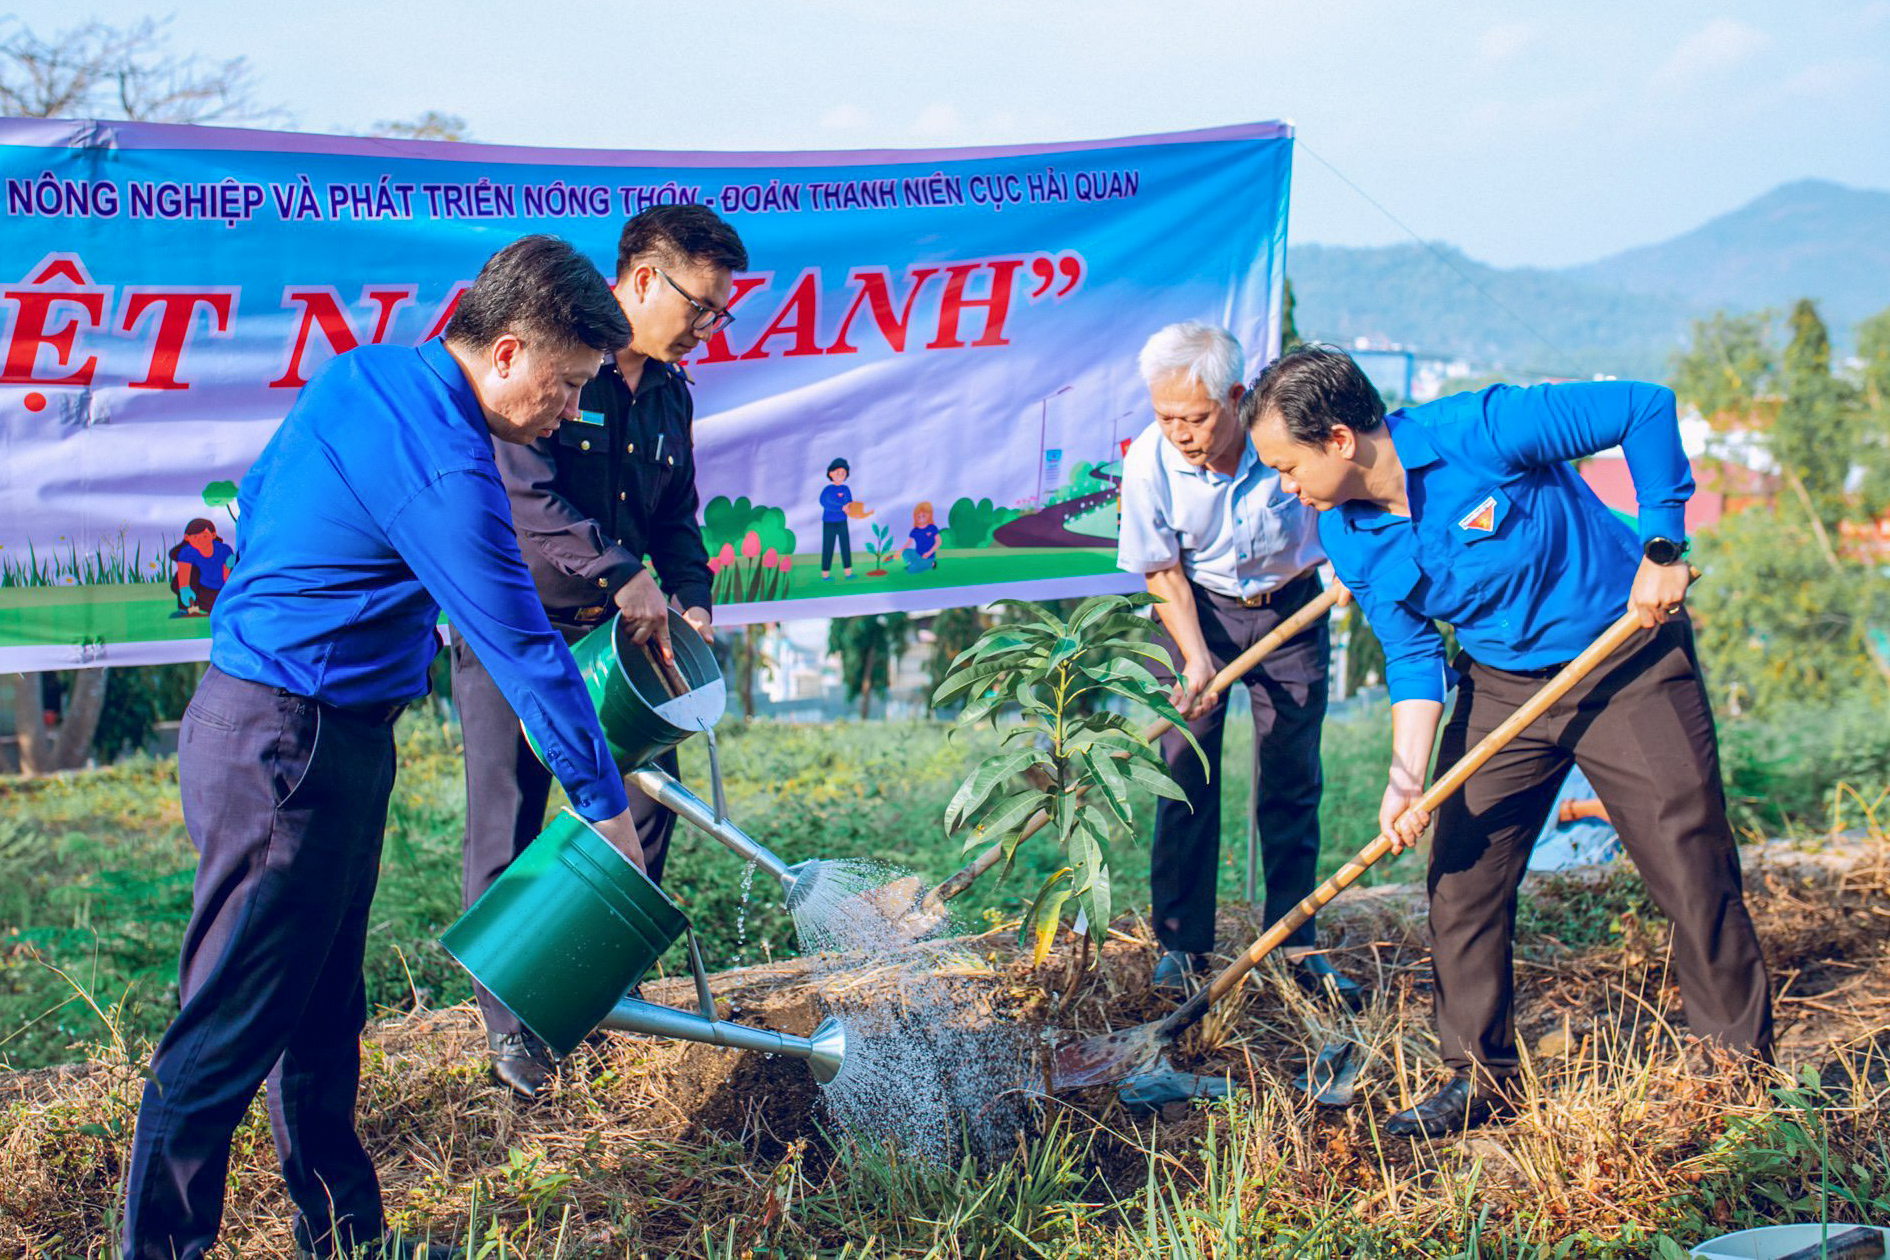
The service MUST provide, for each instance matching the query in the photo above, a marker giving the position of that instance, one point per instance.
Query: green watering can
(572, 926)
(646, 706)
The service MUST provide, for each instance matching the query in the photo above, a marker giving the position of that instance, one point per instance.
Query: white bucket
(1771, 1241)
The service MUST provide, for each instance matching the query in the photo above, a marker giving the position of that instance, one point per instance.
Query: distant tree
(748, 658)
(1782, 620)
(1817, 436)
(1727, 370)
(867, 647)
(1873, 352)
(432, 125)
(96, 70)
(1289, 327)
(953, 631)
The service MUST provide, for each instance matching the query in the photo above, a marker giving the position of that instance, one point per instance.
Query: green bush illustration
(972, 522)
(727, 523)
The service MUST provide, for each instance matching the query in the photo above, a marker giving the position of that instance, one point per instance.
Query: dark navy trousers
(1288, 694)
(506, 791)
(286, 801)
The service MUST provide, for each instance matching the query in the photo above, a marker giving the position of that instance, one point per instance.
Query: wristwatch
(1664, 550)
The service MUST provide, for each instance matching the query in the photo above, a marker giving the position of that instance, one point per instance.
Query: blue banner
(960, 325)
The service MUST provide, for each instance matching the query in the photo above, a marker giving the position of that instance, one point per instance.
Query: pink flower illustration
(715, 564)
(727, 555)
(787, 564)
(751, 545)
(769, 558)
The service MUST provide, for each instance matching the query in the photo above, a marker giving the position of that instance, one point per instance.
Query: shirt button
(622, 495)
(603, 582)
(585, 445)
(630, 449)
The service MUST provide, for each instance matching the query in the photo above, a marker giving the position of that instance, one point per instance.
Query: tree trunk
(866, 684)
(83, 708)
(35, 758)
(750, 658)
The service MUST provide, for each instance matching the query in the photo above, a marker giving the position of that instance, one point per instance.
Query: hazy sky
(1545, 133)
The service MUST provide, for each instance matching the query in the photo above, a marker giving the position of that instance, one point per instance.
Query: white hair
(1200, 353)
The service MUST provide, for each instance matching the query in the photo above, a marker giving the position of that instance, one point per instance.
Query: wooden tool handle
(1625, 628)
(1291, 627)
(666, 672)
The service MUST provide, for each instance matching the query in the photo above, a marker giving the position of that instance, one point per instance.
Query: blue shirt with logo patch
(375, 505)
(1505, 542)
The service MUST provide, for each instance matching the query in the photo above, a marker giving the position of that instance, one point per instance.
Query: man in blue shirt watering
(375, 505)
(1466, 511)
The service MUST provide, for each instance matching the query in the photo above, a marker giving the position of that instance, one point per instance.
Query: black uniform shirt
(590, 501)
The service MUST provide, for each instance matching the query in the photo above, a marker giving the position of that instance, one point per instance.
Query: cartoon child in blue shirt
(923, 553)
(836, 506)
(200, 565)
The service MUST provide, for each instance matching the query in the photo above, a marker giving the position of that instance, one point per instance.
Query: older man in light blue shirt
(1231, 555)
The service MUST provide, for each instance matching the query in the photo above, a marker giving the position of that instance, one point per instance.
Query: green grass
(106, 563)
(95, 869)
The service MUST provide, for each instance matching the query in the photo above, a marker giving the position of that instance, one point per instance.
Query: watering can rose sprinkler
(572, 926)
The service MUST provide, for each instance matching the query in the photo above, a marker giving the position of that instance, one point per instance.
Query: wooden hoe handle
(1291, 627)
(1625, 628)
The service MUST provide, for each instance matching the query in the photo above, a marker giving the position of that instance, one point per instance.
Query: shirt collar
(1175, 462)
(1412, 440)
(436, 356)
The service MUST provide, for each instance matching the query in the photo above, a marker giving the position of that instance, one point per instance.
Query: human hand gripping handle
(1659, 592)
(621, 832)
(644, 610)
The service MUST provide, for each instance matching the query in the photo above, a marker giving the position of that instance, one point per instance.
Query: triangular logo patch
(1482, 517)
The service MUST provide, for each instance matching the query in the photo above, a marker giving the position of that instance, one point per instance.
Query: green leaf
(1160, 782)
(984, 780)
(1040, 925)
(1096, 905)
(1107, 782)
(1007, 815)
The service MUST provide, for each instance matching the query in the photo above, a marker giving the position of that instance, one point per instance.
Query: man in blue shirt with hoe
(1231, 555)
(1467, 511)
(375, 505)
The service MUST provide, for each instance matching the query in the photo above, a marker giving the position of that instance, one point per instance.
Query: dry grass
(1628, 1134)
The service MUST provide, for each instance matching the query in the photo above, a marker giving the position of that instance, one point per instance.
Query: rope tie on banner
(1447, 261)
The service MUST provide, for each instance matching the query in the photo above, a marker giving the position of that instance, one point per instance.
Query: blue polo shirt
(1505, 542)
(375, 505)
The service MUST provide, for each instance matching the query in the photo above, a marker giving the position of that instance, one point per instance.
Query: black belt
(370, 714)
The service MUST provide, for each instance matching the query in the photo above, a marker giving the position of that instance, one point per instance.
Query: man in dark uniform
(375, 505)
(589, 503)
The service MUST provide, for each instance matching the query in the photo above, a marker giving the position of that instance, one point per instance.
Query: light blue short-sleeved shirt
(1238, 535)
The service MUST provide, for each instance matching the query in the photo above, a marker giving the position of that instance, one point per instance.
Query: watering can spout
(824, 1052)
(673, 796)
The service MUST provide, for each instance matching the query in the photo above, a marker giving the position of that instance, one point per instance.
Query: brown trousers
(1643, 733)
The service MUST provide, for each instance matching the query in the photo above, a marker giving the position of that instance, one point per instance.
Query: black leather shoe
(1320, 979)
(1458, 1106)
(521, 1063)
(1179, 971)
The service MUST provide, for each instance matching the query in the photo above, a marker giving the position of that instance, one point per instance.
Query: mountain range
(1623, 315)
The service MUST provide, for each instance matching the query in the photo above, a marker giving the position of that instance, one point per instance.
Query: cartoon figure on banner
(200, 565)
(923, 553)
(837, 506)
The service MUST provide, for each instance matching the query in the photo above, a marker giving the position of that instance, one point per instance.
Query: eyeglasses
(708, 319)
